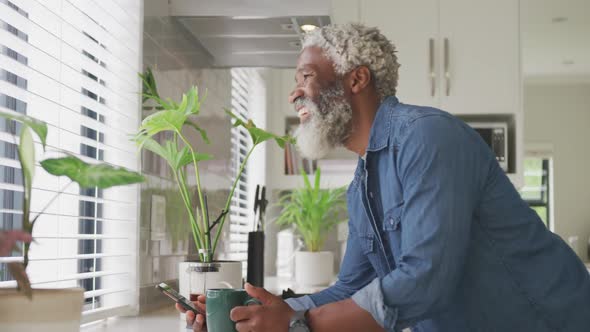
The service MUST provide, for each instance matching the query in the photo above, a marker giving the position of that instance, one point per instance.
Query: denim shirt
(440, 240)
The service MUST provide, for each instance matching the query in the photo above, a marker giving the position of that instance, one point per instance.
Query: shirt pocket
(392, 228)
(370, 249)
(367, 244)
(393, 217)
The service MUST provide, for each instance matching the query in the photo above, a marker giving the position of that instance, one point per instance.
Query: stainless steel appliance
(495, 134)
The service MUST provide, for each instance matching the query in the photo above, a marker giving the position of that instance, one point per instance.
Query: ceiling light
(559, 19)
(308, 27)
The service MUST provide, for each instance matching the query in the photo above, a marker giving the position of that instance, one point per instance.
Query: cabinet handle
(447, 72)
(431, 63)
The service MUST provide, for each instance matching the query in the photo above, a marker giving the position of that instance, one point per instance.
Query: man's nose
(295, 94)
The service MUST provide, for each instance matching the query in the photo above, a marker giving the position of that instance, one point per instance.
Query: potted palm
(54, 310)
(182, 157)
(313, 212)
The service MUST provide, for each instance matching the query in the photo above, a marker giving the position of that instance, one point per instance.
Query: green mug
(220, 302)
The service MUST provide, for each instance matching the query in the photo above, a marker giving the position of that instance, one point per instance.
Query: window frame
(545, 153)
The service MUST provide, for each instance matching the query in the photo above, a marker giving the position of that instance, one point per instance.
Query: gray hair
(352, 45)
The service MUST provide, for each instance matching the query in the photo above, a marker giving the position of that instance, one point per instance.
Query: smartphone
(174, 295)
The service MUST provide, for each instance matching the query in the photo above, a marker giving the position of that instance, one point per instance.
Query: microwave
(495, 134)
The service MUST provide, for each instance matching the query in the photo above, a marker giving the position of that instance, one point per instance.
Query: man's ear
(360, 78)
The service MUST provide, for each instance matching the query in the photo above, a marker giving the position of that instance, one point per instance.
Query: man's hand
(272, 316)
(198, 323)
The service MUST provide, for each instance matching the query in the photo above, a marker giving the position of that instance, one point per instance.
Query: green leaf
(306, 182)
(168, 152)
(26, 155)
(317, 181)
(182, 107)
(193, 105)
(259, 135)
(148, 143)
(150, 90)
(39, 127)
(282, 140)
(149, 85)
(184, 156)
(200, 130)
(90, 175)
(176, 159)
(167, 120)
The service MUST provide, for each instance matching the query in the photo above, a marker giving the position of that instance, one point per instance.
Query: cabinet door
(413, 28)
(483, 56)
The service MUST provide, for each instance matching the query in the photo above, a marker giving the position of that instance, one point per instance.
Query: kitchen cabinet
(483, 54)
(413, 28)
(459, 55)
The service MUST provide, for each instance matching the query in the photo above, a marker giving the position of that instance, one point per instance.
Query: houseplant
(17, 313)
(183, 157)
(313, 212)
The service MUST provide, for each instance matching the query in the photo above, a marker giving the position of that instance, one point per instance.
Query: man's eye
(305, 76)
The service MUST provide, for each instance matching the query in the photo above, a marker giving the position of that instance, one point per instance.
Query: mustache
(325, 98)
(300, 102)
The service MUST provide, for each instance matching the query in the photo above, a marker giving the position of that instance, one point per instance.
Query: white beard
(328, 126)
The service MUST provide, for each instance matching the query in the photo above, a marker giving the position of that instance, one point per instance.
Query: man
(439, 239)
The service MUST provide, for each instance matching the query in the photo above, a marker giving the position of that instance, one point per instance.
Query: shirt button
(371, 194)
(391, 221)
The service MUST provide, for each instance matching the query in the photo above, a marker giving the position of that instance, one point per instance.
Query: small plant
(313, 211)
(86, 175)
(179, 153)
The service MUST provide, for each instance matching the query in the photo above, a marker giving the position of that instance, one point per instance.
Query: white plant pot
(51, 310)
(202, 276)
(314, 268)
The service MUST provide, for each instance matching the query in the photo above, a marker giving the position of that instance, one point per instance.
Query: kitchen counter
(276, 285)
(164, 319)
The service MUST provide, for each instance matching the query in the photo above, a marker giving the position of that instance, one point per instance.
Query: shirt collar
(380, 129)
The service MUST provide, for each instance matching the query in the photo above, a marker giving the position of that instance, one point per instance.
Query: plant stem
(51, 201)
(26, 255)
(181, 181)
(231, 194)
(187, 203)
(201, 201)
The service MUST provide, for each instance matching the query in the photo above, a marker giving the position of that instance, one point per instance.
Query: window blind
(74, 64)
(244, 82)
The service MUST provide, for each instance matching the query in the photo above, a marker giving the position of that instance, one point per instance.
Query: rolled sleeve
(370, 298)
(301, 303)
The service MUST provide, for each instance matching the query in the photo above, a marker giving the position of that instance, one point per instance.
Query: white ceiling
(556, 40)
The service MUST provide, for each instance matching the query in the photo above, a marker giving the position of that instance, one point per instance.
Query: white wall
(559, 115)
